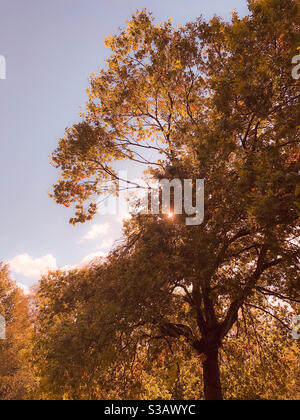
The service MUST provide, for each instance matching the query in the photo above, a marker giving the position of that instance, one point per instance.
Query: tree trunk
(211, 376)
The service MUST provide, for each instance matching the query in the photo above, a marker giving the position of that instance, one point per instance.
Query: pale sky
(51, 47)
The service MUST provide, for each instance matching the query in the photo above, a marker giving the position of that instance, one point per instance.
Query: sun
(170, 215)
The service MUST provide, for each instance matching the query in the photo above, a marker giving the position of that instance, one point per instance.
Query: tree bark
(211, 376)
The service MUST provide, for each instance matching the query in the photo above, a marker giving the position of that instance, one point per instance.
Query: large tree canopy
(93, 342)
(213, 101)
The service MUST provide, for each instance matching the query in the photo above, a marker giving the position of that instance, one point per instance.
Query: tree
(15, 375)
(214, 101)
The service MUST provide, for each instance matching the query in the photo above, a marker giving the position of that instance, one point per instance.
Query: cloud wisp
(29, 267)
(96, 231)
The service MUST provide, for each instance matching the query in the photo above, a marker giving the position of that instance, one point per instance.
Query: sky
(50, 49)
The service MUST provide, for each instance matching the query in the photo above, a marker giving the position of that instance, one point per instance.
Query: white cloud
(89, 258)
(85, 261)
(26, 265)
(96, 231)
(106, 244)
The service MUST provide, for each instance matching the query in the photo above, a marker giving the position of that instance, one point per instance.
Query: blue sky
(51, 47)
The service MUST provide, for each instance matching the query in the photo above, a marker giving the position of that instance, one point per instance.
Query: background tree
(15, 375)
(210, 100)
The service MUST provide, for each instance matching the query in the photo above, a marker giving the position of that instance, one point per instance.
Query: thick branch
(232, 314)
(197, 298)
